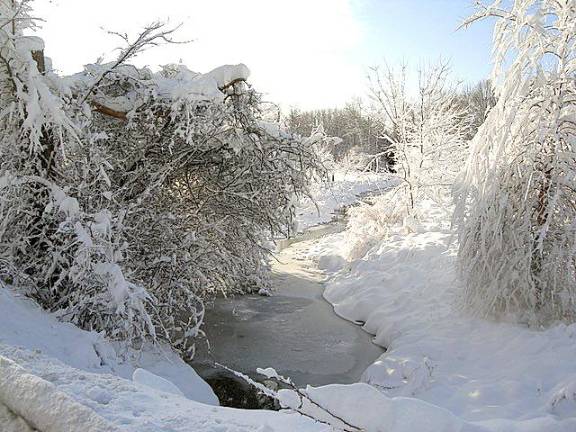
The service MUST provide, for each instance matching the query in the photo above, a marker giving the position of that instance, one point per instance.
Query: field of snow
(496, 375)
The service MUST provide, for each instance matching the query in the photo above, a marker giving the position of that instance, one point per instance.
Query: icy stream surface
(294, 331)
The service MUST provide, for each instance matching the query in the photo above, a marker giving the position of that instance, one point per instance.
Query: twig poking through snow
(270, 373)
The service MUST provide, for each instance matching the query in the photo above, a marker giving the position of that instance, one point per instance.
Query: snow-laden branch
(516, 210)
(427, 133)
(132, 224)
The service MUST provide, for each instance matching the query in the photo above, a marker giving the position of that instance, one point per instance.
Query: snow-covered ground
(498, 375)
(344, 190)
(62, 379)
(156, 392)
(443, 371)
(25, 326)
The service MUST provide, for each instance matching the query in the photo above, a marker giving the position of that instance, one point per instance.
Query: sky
(302, 53)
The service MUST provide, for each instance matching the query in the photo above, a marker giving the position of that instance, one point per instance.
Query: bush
(128, 197)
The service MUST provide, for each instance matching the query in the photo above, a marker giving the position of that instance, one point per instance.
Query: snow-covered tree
(517, 213)
(478, 101)
(354, 124)
(323, 146)
(58, 241)
(128, 197)
(204, 181)
(427, 131)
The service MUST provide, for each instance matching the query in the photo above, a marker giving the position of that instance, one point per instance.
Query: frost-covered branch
(426, 133)
(127, 227)
(151, 36)
(516, 210)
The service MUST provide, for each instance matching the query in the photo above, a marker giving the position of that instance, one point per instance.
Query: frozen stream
(294, 331)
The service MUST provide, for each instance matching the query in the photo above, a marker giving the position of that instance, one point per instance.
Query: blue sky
(424, 30)
(306, 53)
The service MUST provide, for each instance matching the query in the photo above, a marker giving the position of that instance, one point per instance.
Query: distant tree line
(365, 133)
(355, 123)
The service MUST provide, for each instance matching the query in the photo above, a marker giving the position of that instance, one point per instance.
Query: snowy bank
(60, 378)
(132, 406)
(502, 376)
(343, 191)
(23, 324)
(39, 404)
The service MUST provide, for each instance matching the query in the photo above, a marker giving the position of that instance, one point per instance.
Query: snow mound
(331, 263)
(23, 324)
(562, 401)
(228, 74)
(365, 407)
(142, 376)
(42, 406)
(80, 399)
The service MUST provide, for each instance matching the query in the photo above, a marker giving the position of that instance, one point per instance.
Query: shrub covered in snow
(127, 197)
(516, 210)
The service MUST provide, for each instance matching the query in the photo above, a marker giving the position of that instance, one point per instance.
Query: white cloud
(300, 51)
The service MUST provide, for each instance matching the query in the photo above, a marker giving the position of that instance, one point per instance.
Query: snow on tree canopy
(516, 213)
(172, 82)
(201, 86)
(129, 197)
(228, 74)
